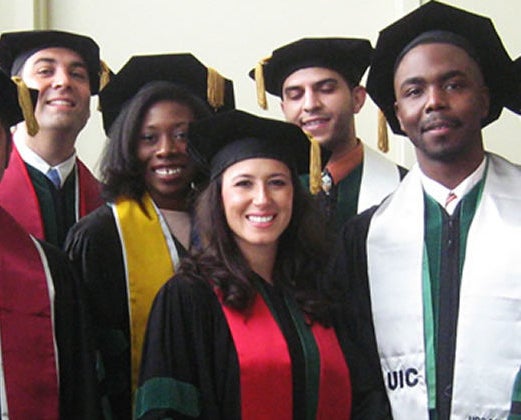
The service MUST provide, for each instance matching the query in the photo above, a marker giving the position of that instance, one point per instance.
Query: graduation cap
(181, 69)
(350, 57)
(17, 47)
(481, 35)
(514, 103)
(10, 111)
(17, 103)
(230, 137)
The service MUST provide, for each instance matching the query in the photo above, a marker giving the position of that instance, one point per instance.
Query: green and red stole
(266, 369)
(27, 343)
(19, 198)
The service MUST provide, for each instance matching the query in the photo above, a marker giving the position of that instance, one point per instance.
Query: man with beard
(44, 172)
(318, 81)
(429, 280)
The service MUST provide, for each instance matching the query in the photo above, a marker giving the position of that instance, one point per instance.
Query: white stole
(380, 177)
(488, 350)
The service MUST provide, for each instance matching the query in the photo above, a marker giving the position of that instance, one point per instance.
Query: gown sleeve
(94, 248)
(345, 283)
(189, 367)
(79, 392)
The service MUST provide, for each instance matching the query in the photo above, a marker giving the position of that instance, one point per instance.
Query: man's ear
(397, 113)
(485, 93)
(358, 94)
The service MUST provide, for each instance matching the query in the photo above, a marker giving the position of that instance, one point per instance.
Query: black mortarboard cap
(350, 57)
(230, 137)
(17, 103)
(10, 111)
(181, 69)
(514, 103)
(17, 47)
(479, 31)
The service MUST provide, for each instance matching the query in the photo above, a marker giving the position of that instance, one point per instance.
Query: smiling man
(46, 363)
(318, 81)
(44, 172)
(429, 279)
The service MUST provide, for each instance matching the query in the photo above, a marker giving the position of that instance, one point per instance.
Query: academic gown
(46, 213)
(79, 396)
(346, 285)
(348, 281)
(189, 350)
(94, 246)
(366, 185)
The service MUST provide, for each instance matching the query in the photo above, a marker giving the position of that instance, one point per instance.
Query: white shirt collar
(440, 192)
(36, 161)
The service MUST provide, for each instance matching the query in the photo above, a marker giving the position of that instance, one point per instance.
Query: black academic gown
(189, 342)
(79, 393)
(346, 283)
(94, 247)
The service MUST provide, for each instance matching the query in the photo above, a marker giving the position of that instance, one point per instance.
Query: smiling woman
(257, 197)
(241, 330)
(127, 249)
(161, 148)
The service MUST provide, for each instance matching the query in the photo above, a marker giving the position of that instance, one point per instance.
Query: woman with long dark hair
(127, 249)
(241, 330)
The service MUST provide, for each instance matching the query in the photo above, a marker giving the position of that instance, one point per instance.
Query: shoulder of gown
(188, 346)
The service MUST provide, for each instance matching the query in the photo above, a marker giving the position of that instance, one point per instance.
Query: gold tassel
(383, 138)
(215, 89)
(315, 166)
(260, 84)
(26, 104)
(104, 77)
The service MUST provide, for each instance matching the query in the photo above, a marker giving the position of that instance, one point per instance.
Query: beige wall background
(232, 35)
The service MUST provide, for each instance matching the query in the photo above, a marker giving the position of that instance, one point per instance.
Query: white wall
(231, 35)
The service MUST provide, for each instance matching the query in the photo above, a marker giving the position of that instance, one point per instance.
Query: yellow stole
(150, 256)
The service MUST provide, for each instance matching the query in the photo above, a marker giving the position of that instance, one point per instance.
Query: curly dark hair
(300, 260)
(122, 173)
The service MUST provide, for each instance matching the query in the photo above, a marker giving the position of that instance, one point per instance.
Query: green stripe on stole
(431, 271)
(309, 349)
(348, 190)
(168, 393)
(58, 216)
(311, 356)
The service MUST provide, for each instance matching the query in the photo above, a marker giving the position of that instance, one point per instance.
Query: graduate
(241, 331)
(318, 83)
(44, 171)
(46, 364)
(128, 248)
(429, 279)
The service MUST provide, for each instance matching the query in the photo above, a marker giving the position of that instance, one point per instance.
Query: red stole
(27, 339)
(265, 367)
(90, 190)
(18, 197)
(334, 399)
